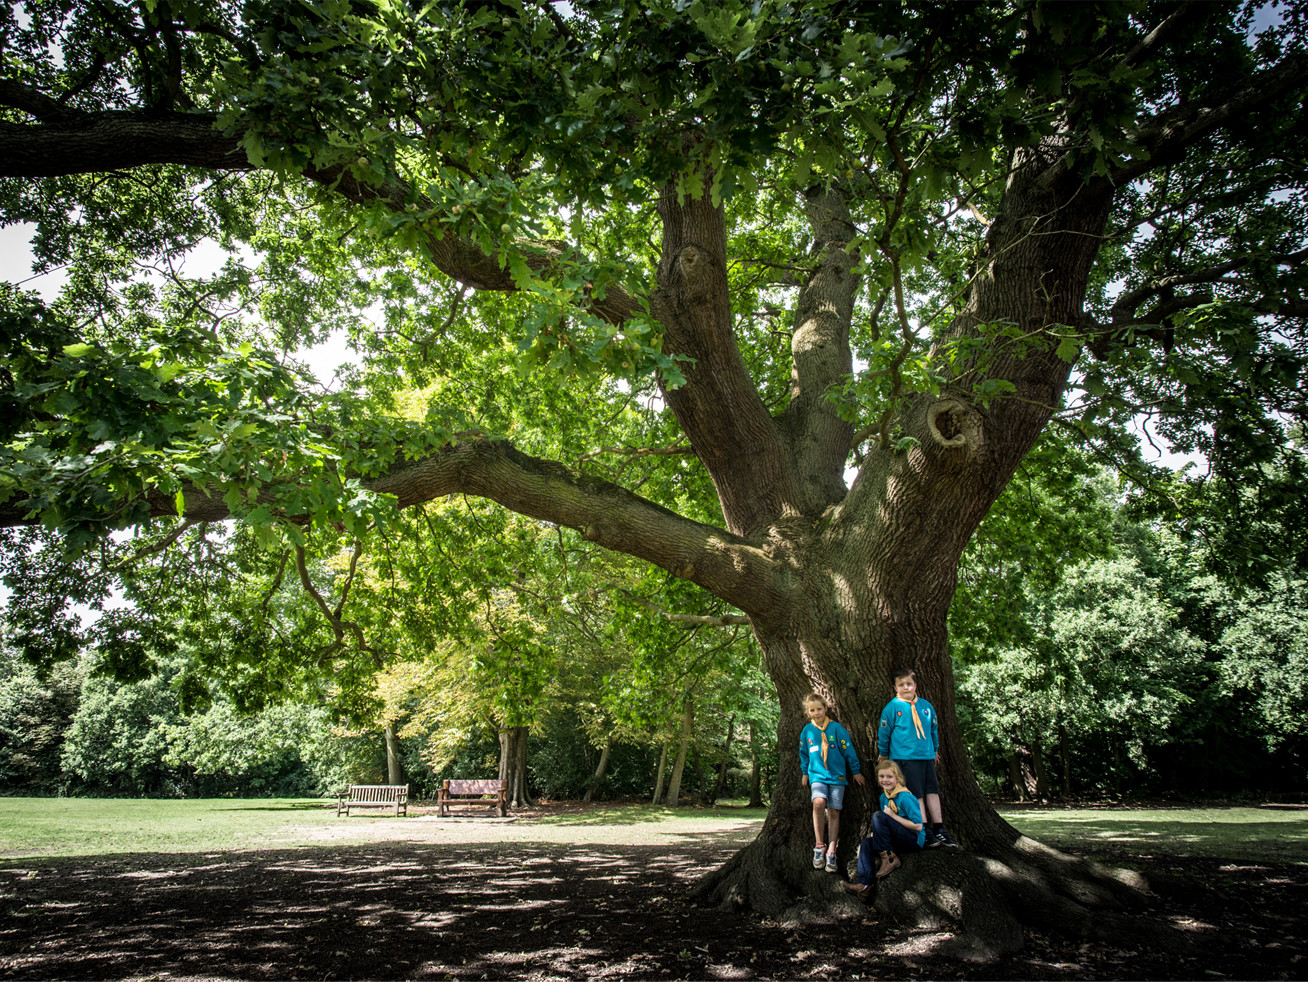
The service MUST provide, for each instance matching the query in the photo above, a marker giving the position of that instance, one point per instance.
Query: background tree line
(75, 731)
(1104, 646)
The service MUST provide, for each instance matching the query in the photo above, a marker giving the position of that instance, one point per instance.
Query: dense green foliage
(1114, 660)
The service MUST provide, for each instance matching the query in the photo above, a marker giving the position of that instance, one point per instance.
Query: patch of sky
(17, 266)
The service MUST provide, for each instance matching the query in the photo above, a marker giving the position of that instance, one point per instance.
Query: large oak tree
(866, 252)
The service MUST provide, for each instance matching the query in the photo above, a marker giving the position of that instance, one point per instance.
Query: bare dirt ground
(471, 898)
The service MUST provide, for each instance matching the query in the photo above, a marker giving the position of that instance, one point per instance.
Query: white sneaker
(819, 854)
(831, 863)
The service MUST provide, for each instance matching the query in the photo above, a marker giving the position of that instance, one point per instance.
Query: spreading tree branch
(734, 568)
(155, 548)
(1167, 136)
(687, 620)
(68, 142)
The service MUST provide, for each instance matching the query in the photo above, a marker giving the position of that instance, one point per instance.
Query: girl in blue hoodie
(827, 759)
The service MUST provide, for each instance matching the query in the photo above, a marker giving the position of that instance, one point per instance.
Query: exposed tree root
(981, 901)
(759, 878)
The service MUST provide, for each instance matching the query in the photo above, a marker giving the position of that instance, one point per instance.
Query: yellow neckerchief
(825, 743)
(917, 720)
(892, 794)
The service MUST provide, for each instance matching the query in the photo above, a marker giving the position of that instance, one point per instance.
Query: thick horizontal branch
(86, 143)
(74, 142)
(727, 565)
(610, 516)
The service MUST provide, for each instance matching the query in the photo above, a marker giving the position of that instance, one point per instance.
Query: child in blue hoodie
(827, 758)
(910, 736)
(896, 828)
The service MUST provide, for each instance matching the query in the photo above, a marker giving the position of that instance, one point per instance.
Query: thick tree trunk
(679, 765)
(513, 765)
(658, 778)
(600, 768)
(873, 575)
(394, 769)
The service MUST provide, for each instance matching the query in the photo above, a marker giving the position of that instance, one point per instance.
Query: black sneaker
(943, 838)
(933, 839)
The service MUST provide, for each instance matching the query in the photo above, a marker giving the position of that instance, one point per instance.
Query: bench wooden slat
(374, 796)
(472, 794)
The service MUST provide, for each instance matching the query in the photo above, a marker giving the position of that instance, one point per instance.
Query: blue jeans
(887, 836)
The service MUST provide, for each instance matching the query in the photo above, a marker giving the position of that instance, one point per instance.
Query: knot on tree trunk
(692, 275)
(954, 424)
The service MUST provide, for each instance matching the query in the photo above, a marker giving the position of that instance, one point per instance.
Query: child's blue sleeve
(935, 730)
(803, 757)
(883, 732)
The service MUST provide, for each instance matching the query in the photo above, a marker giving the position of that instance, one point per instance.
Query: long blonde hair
(890, 765)
(899, 788)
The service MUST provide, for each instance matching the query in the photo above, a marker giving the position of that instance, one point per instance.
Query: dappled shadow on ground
(1211, 835)
(543, 911)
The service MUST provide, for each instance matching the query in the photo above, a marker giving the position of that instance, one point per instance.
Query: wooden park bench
(374, 796)
(472, 794)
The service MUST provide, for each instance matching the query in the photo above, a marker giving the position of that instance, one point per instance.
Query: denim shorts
(834, 793)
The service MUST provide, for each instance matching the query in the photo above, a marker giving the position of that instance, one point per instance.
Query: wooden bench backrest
(378, 792)
(474, 787)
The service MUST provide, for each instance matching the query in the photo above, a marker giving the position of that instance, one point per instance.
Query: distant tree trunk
(658, 780)
(679, 766)
(1041, 777)
(1015, 777)
(1117, 764)
(599, 770)
(1022, 774)
(1065, 753)
(719, 786)
(394, 769)
(755, 770)
(513, 765)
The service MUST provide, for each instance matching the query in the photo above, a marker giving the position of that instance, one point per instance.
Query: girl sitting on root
(896, 828)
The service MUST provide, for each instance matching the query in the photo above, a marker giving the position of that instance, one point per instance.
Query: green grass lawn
(629, 813)
(31, 827)
(97, 826)
(1243, 834)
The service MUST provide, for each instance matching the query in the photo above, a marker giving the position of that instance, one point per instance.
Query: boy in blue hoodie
(910, 736)
(826, 756)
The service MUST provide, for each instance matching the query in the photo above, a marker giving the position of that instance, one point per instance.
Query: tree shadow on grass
(645, 814)
(511, 910)
(1252, 840)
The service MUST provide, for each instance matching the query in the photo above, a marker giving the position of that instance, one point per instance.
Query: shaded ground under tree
(548, 910)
